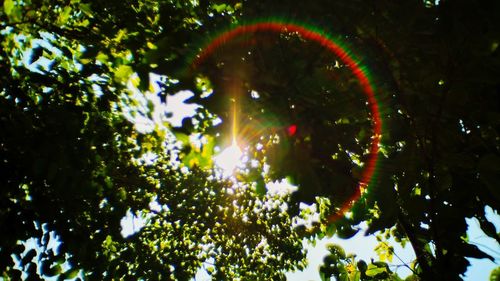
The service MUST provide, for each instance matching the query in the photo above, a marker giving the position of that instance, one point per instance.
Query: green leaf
(260, 187)
(205, 158)
(210, 269)
(374, 270)
(102, 57)
(330, 230)
(8, 6)
(384, 251)
(362, 266)
(56, 269)
(151, 106)
(495, 274)
(64, 16)
(71, 273)
(122, 73)
(322, 275)
(86, 9)
(355, 276)
(183, 138)
(346, 231)
(336, 250)
(220, 8)
(412, 277)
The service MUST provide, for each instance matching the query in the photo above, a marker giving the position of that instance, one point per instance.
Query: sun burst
(229, 159)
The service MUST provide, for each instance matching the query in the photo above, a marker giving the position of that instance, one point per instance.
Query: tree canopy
(78, 78)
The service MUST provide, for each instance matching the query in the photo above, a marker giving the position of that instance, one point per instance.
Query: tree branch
(401, 260)
(422, 256)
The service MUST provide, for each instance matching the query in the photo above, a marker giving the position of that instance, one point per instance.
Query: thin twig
(401, 260)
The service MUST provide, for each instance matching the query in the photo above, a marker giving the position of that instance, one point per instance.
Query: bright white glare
(175, 104)
(229, 159)
(254, 94)
(281, 187)
(309, 215)
(131, 224)
(149, 113)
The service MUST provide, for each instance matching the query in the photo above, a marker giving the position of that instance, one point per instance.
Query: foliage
(345, 267)
(72, 168)
(72, 163)
(495, 274)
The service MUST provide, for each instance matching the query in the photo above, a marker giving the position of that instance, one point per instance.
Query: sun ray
(230, 157)
(234, 121)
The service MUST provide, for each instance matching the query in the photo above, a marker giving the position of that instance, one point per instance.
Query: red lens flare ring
(324, 40)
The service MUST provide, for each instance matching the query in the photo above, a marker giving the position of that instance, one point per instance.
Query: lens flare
(229, 159)
(339, 50)
(231, 156)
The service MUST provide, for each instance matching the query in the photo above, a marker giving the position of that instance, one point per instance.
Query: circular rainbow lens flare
(334, 47)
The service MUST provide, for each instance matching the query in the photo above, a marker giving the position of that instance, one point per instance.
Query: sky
(362, 246)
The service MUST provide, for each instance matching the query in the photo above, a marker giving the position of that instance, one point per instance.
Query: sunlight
(229, 159)
(231, 156)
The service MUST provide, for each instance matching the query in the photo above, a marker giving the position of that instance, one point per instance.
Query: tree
(73, 162)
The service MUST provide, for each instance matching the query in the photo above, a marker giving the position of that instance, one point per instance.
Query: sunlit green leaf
(123, 73)
(374, 270)
(8, 6)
